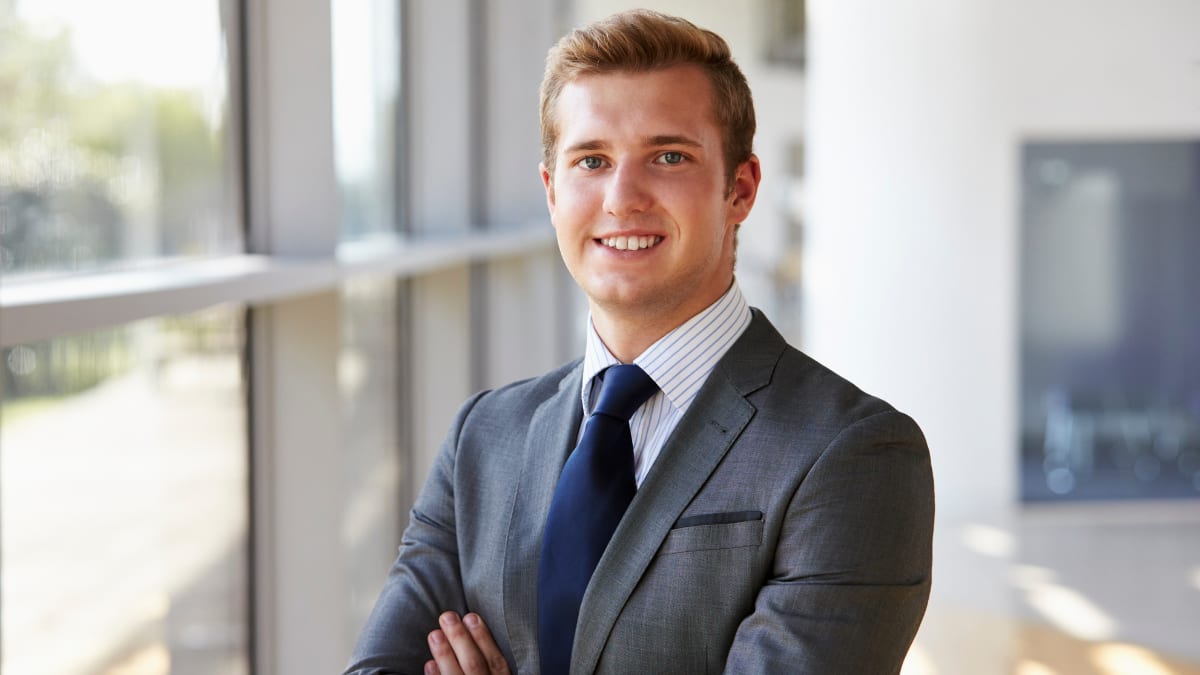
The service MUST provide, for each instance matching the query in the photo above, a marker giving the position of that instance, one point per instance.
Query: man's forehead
(689, 77)
(659, 107)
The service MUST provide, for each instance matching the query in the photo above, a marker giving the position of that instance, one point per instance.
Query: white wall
(917, 112)
(1119, 69)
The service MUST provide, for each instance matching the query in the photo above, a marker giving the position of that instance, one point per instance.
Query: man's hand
(464, 647)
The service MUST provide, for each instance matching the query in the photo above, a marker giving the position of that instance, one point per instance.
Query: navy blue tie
(594, 489)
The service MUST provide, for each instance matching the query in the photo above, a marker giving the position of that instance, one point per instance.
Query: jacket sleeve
(851, 576)
(424, 581)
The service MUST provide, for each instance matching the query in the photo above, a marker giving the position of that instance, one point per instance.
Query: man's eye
(590, 162)
(672, 157)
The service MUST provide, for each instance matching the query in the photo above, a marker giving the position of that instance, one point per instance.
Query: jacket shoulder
(784, 382)
(516, 400)
(530, 391)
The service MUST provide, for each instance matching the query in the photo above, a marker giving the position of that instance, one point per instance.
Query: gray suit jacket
(786, 527)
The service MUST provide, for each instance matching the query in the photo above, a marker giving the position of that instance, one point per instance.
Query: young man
(767, 516)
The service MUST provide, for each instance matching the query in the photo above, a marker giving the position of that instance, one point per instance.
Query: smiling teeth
(631, 243)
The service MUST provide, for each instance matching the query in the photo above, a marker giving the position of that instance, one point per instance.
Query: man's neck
(627, 334)
(626, 339)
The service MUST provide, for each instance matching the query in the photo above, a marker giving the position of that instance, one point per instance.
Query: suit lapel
(709, 428)
(552, 433)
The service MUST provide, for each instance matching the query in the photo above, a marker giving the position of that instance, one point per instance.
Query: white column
(909, 266)
(909, 256)
(301, 581)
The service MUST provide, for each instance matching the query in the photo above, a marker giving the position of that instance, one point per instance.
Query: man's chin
(625, 299)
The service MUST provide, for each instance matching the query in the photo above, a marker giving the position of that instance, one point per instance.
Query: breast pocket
(714, 531)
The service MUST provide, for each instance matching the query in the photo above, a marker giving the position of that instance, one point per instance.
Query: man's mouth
(630, 243)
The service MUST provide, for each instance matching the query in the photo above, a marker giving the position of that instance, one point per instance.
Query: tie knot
(623, 389)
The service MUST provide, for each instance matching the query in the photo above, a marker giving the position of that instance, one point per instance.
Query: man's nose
(626, 192)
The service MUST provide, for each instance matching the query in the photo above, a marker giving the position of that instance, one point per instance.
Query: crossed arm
(424, 592)
(464, 646)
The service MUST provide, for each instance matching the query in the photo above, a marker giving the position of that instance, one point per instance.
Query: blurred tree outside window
(115, 141)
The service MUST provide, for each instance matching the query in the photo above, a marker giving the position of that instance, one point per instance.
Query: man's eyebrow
(651, 141)
(673, 140)
(585, 145)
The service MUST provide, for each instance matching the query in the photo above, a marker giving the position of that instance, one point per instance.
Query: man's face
(639, 200)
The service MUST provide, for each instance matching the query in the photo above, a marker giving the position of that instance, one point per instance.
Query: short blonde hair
(643, 40)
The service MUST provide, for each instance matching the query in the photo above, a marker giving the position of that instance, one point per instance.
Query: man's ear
(745, 189)
(548, 183)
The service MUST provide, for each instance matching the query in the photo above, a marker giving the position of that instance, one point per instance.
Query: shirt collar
(680, 361)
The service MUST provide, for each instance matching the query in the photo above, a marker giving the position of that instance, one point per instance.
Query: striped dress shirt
(679, 363)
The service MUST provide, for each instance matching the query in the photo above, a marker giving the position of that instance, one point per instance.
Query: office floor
(1101, 588)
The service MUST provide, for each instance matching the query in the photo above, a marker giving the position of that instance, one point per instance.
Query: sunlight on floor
(1065, 608)
(153, 660)
(918, 662)
(1027, 667)
(1124, 659)
(989, 540)
(1086, 589)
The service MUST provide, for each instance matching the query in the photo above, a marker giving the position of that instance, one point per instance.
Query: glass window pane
(366, 80)
(123, 500)
(115, 140)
